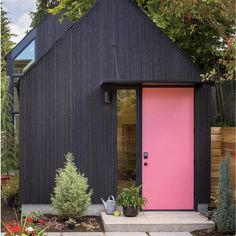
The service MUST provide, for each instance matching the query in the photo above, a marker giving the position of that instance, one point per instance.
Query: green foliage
(42, 7)
(35, 215)
(40, 13)
(130, 196)
(71, 197)
(219, 123)
(6, 43)
(72, 9)
(224, 216)
(11, 189)
(204, 30)
(9, 147)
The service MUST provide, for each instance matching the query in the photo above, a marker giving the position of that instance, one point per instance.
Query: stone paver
(170, 234)
(54, 234)
(125, 234)
(84, 234)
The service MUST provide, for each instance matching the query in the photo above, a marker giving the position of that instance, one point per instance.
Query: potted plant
(131, 200)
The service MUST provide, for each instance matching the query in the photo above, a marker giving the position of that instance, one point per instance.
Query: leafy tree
(204, 29)
(224, 215)
(71, 197)
(40, 13)
(42, 7)
(72, 9)
(9, 142)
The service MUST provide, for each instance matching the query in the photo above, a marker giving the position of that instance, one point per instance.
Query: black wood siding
(202, 145)
(61, 102)
(48, 31)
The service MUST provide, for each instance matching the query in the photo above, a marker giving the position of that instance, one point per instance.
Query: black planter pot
(130, 211)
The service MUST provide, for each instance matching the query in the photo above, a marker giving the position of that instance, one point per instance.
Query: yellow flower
(117, 213)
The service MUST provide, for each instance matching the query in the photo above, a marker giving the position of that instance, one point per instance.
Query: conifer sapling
(71, 196)
(224, 216)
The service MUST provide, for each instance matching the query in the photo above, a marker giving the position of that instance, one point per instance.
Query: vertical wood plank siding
(62, 103)
(48, 31)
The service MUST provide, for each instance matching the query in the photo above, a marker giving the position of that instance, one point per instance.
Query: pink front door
(168, 143)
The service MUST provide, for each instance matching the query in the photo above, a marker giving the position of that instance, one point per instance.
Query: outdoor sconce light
(107, 97)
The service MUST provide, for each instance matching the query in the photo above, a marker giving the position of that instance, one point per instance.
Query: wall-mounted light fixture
(107, 96)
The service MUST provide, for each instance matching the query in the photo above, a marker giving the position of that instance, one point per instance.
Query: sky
(18, 14)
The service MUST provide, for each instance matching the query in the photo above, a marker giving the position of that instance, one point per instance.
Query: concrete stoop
(157, 221)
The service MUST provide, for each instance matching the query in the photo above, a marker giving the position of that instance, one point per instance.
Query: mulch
(83, 224)
(207, 232)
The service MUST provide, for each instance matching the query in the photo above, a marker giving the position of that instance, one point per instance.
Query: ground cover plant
(25, 227)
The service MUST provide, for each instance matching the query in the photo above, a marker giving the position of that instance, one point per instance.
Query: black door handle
(145, 155)
(145, 163)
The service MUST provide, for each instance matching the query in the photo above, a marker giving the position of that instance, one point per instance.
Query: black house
(116, 92)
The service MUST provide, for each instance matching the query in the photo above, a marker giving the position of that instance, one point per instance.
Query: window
(16, 125)
(15, 100)
(25, 59)
(126, 138)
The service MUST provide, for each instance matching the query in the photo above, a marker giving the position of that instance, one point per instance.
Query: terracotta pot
(130, 211)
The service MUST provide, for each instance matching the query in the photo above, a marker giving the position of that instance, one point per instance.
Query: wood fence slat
(223, 101)
(222, 141)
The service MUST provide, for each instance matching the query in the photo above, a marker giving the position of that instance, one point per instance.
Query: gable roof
(132, 33)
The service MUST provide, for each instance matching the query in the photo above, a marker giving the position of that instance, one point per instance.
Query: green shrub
(11, 189)
(71, 196)
(224, 215)
(9, 144)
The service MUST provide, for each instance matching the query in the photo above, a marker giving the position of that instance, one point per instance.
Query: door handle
(145, 155)
(145, 163)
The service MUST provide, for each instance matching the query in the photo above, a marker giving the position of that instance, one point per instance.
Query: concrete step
(157, 221)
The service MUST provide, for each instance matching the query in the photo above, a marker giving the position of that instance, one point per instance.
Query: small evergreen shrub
(224, 215)
(71, 196)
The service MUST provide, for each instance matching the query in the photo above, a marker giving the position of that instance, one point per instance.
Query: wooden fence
(222, 141)
(223, 102)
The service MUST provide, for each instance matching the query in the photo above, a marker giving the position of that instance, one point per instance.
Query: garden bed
(83, 224)
(207, 232)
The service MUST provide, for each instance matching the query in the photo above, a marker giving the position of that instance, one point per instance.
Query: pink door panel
(168, 138)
